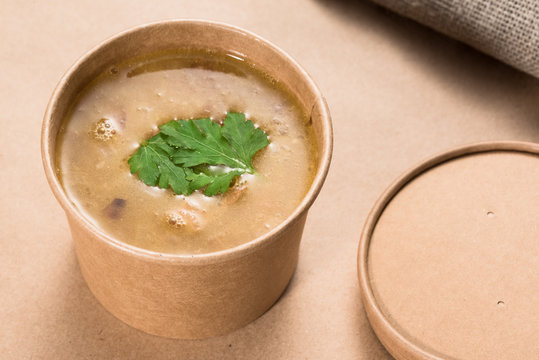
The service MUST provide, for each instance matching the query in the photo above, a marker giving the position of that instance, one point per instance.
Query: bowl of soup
(186, 261)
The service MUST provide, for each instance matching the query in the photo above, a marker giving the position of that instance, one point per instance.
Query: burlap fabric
(505, 29)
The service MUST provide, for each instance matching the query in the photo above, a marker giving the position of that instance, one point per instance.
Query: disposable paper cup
(187, 296)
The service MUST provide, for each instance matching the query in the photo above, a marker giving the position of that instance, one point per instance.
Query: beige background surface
(398, 93)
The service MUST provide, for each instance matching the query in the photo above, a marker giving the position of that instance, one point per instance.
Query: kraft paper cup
(187, 296)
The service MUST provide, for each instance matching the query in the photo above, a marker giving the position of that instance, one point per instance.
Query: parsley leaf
(180, 155)
(205, 142)
(152, 162)
(215, 183)
(243, 137)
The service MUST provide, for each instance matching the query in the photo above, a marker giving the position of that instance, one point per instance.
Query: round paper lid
(449, 257)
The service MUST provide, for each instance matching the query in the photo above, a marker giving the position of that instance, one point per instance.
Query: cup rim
(324, 152)
(393, 339)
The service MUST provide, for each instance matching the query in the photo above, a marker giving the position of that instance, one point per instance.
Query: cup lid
(449, 257)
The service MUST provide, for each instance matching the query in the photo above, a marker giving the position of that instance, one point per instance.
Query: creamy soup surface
(125, 105)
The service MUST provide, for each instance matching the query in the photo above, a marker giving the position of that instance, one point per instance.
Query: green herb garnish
(182, 154)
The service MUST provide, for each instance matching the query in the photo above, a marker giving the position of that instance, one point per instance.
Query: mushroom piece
(115, 209)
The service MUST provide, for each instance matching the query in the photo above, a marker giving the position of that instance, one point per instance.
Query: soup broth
(125, 105)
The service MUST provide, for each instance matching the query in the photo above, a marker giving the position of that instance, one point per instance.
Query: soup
(125, 106)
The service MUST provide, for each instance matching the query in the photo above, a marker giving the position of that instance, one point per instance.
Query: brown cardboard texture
(448, 257)
(187, 296)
